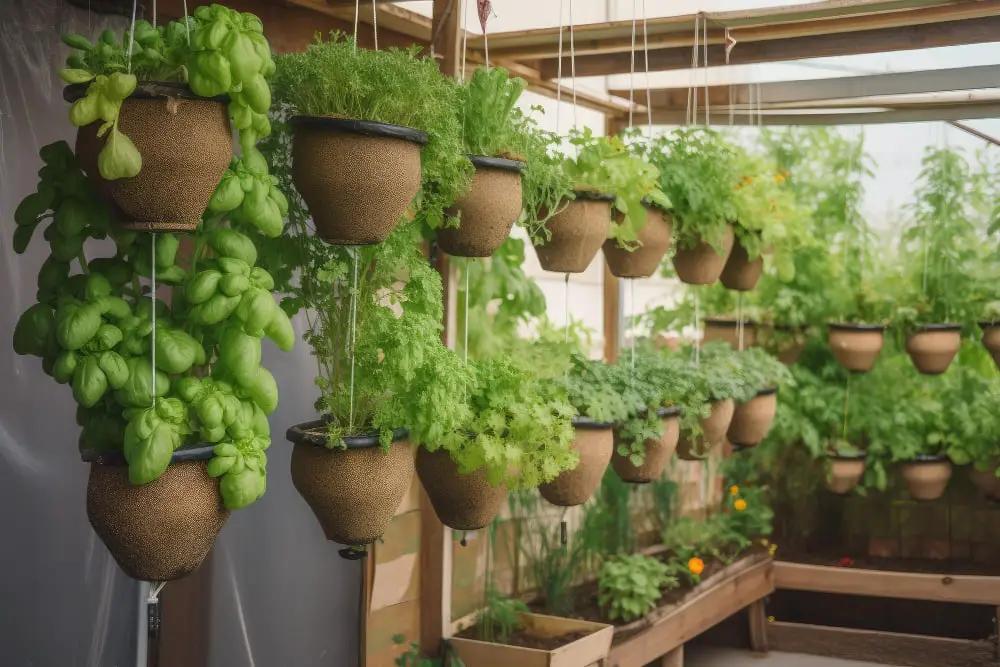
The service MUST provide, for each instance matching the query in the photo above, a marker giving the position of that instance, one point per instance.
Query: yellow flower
(740, 505)
(771, 549)
(778, 178)
(734, 490)
(696, 565)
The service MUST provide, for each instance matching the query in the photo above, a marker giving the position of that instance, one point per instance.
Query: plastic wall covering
(280, 594)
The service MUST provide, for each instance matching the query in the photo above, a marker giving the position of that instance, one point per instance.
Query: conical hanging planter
(353, 492)
(713, 432)
(658, 451)
(702, 265)
(856, 346)
(927, 477)
(752, 420)
(461, 502)
(728, 332)
(357, 177)
(932, 347)
(991, 339)
(790, 355)
(158, 531)
(986, 480)
(577, 232)
(645, 260)
(844, 472)
(595, 443)
(186, 144)
(487, 212)
(740, 273)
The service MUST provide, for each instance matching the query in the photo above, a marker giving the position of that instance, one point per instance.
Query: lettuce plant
(487, 108)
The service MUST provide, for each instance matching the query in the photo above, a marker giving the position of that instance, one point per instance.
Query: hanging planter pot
(461, 502)
(186, 144)
(487, 212)
(356, 176)
(576, 232)
(932, 347)
(843, 473)
(158, 531)
(927, 476)
(594, 442)
(645, 260)
(986, 480)
(790, 355)
(991, 339)
(658, 451)
(713, 432)
(752, 420)
(856, 346)
(740, 273)
(728, 332)
(702, 264)
(583, 643)
(353, 492)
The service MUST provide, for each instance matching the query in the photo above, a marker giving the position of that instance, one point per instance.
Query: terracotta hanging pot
(932, 347)
(644, 261)
(487, 212)
(158, 531)
(577, 232)
(357, 177)
(991, 339)
(844, 472)
(752, 420)
(186, 144)
(595, 443)
(713, 432)
(658, 451)
(927, 477)
(702, 264)
(353, 492)
(728, 332)
(856, 346)
(790, 355)
(740, 273)
(986, 480)
(461, 502)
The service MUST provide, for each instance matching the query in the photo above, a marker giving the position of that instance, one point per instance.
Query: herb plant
(546, 187)
(758, 371)
(487, 106)
(629, 586)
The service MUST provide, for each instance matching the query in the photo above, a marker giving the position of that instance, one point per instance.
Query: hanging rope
(375, 23)
(465, 37)
(697, 327)
(566, 318)
(572, 66)
(354, 338)
(631, 309)
(465, 347)
(155, 588)
(187, 22)
(692, 101)
(704, 42)
(631, 72)
(559, 69)
(357, 11)
(152, 297)
(739, 321)
(649, 96)
(131, 38)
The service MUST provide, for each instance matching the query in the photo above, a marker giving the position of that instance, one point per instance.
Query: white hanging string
(155, 587)
(131, 38)
(631, 309)
(697, 327)
(572, 66)
(739, 320)
(354, 337)
(631, 72)
(465, 346)
(357, 11)
(152, 297)
(187, 24)
(692, 102)
(704, 42)
(375, 23)
(566, 314)
(154, 13)
(649, 96)
(465, 36)
(559, 69)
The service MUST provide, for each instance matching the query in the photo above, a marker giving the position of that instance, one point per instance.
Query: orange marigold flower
(734, 490)
(696, 565)
(778, 178)
(747, 180)
(740, 505)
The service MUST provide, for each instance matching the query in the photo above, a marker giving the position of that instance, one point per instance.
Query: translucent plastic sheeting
(280, 593)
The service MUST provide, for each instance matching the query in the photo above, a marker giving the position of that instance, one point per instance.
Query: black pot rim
(593, 195)
(928, 458)
(668, 411)
(937, 327)
(855, 326)
(588, 424)
(724, 322)
(845, 457)
(487, 162)
(147, 90)
(299, 435)
(767, 391)
(988, 323)
(368, 128)
(199, 452)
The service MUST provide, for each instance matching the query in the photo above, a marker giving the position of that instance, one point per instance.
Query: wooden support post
(612, 286)
(758, 626)
(673, 659)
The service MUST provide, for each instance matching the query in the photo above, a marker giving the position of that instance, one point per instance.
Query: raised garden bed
(539, 641)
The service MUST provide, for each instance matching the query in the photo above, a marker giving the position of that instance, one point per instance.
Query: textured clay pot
(577, 231)
(658, 451)
(728, 332)
(713, 432)
(357, 177)
(986, 480)
(353, 492)
(927, 477)
(740, 273)
(702, 265)
(933, 347)
(844, 472)
(595, 444)
(158, 531)
(487, 212)
(856, 346)
(790, 355)
(186, 145)
(644, 261)
(461, 502)
(752, 420)
(991, 339)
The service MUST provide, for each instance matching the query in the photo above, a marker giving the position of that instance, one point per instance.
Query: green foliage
(487, 107)
(499, 617)
(607, 527)
(758, 371)
(412, 657)
(546, 187)
(629, 586)
(592, 391)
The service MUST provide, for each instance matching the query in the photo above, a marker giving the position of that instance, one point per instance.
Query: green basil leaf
(257, 93)
(233, 265)
(215, 310)
(203, 287)
(51, 276)
(228, 194)
(65, 367)
(219, 465)
(22, 238)
(138, 388)
(240, 489)
(176, 350)
(243, 59)
(76, 325)
(151, 455)
(166, 250)
(210, 412)
(188, 388)
(233, 245)
(260, 311)
(89, 382)
(97, 286)
(233, 284)
(77, 42)
(72, 216)
(264, 391)
(209, 74)
(240, 353)
(261, 278)
(107, 336)
(84, 111)
(280, 330)
(31, 208)
(33, 330)
(114, 367)
(119, 158)
(113, 306)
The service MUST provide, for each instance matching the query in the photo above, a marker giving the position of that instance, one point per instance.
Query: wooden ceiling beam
(390, 17)
(939, 112)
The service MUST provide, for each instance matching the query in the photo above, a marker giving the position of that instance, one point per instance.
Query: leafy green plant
(630, 585)
(758, 371)
(412, 657)
(591, 390)
(546, 187)
(607, 528)
(499, 617)
(217, 51)
(487, 106)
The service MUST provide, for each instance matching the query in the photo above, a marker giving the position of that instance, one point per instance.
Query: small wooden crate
(584, 652)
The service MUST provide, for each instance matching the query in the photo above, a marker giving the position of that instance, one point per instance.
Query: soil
(524, 639)
(863, 562)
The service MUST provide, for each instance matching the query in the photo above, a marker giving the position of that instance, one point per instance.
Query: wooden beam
(834, 42)
(969, 589)
(757, 615)
(392, 20)
(890, 115)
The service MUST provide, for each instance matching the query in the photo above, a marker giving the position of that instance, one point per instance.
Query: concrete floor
(708, 656)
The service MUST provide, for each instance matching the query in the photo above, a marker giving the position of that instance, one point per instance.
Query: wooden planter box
(590, 650)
